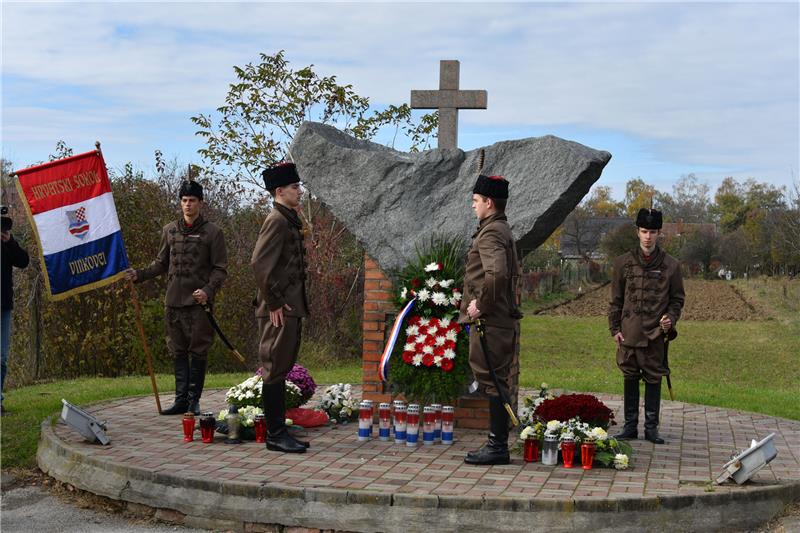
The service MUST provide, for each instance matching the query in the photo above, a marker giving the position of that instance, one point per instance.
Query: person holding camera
(13, 255)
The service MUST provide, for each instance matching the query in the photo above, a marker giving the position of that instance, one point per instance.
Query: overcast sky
(668, 88)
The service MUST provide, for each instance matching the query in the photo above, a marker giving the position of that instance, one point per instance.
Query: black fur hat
(491, 186)
(191, 188)
(280, 175)
(649, 219)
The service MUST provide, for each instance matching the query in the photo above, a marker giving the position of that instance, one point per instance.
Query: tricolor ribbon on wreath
(383, 366)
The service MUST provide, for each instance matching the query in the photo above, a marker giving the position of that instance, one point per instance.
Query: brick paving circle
(700, 439)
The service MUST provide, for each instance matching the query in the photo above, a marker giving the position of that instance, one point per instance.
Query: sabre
(234, 352)
(666, 356)
(500, 390)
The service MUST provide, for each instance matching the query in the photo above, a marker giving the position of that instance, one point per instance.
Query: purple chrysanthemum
(300, 377)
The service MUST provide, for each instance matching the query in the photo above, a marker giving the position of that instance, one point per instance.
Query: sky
(669, 88)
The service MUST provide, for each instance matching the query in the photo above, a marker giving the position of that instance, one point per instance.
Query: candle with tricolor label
(412, 425)
(384, 421)
(448, 421)
(400, 420)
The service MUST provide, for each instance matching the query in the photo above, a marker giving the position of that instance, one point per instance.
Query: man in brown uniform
(491, 293)
(279, 266)
(194, 257)
(646, 301)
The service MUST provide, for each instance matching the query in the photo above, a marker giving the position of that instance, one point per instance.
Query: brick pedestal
(379, 313)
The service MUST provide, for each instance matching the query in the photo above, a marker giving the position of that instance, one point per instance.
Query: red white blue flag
(75, 222)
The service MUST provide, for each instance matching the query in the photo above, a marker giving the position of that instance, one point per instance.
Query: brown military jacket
(641, 293)
(193, 257)
(279, 264)
(492, 274)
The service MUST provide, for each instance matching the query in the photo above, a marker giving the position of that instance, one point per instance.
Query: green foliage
(619, 240)
(270, 100)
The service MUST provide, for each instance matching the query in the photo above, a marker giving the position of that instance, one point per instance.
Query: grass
(28, 406)
(752, 366)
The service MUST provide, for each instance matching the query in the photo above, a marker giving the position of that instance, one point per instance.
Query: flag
(75, 223)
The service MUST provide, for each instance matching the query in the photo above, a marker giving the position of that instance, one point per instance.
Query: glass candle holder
(188, 427)
(550, 450)
(260, 428)
(448, 421)
(428, 418)
(568, 452)
(412, 425)
(364, 421)
(207, 427)
(437, 422)
(233, 420)
(587, 454)
(384, 421)
(531, 450)
(400, 421)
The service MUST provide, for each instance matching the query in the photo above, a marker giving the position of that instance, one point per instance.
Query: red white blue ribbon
(383, 366)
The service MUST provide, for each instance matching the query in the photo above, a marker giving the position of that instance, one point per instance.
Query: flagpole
(138, 309)
(135, 299)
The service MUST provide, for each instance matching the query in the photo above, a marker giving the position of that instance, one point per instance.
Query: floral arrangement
(583, 406)
(338, 403)
(430, 359)
(300, 388)
(530, 403)
(540, 415)
(247, 415)
(299, 376)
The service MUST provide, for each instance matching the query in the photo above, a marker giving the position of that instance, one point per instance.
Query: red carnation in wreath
(408, 357)
(427, 359)
(447, 365)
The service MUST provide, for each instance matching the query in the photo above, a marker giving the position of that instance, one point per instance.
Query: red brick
(373, 336)
(370, 306)
(378, 397)
(379, 295)
(372, 346)
(375, 317)
(374, 357)
(386, 284)
(480, 403)
(369, 387)
(373, 274)
(372, 284)
(472, 423)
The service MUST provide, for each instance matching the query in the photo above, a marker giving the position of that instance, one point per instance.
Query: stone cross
(448, 100)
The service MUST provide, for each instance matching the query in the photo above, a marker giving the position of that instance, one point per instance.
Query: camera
(6, 220)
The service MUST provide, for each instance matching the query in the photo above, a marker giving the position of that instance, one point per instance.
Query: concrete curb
(243, 506)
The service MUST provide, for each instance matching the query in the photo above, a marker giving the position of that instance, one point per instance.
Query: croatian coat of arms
(78, 225)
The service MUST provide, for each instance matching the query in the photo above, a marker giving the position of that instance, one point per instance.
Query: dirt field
(705, 300)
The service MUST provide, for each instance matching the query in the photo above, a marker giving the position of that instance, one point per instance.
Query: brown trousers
(643, 362)
(189, 332)
(278, 347)
(503, 344)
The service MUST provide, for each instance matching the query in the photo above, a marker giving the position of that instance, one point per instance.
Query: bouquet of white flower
(530, 403)
(338, 402)
(248, 394)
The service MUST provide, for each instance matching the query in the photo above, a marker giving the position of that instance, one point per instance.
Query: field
(705, 300)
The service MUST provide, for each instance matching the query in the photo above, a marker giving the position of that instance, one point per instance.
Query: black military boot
(652, 406)
(181, 403)
(197, 378)
(273, 397)
(630, 410)
(495, 451)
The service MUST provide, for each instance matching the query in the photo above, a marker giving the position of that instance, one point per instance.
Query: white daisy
(444, 323)
(440, 340)
(424, 321)
(437, 360)
(423, 296)
(433, 267)
(427, 349)
(446, 283)
(417, 361)
(451, 336)
(408, 347)
(431, 282)
(449, 354)
(404, 293)
(412, 331)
